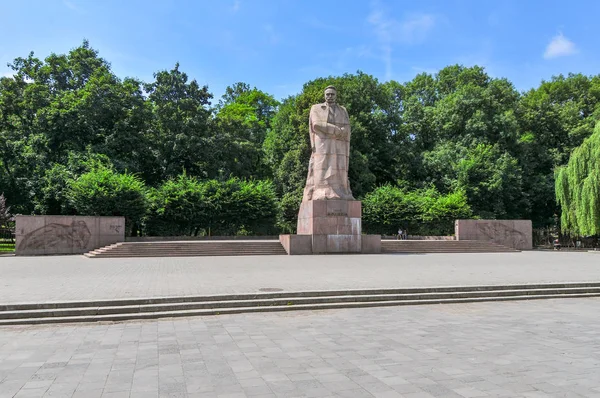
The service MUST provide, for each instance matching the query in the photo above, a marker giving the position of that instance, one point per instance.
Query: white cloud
(560, 46)
(236, 6)
(7, 74)
(411, 30)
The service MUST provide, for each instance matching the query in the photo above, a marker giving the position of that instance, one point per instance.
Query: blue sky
(277, 46)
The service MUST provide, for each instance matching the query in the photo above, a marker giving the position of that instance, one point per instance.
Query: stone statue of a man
(329, 129)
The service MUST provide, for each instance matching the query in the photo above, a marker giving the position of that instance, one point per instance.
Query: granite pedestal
(330, 226)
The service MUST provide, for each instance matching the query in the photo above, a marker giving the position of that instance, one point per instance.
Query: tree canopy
(458, 137)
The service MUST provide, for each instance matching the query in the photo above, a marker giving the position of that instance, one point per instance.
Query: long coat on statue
(329, 129)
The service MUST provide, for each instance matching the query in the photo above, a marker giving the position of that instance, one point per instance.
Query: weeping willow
(577, 187)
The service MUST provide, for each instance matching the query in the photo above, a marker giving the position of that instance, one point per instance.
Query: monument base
(303, 245)
(333, 224)
(330, 226)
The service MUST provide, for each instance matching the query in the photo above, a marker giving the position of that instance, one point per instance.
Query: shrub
(422, 212)
(103, 192)
(186, 206)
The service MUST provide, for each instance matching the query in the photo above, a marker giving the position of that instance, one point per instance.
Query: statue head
(330, 94)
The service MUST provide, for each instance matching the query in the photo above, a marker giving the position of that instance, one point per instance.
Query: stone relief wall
(512, 233)
(39, 235)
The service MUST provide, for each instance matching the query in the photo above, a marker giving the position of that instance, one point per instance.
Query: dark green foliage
(186, 206)
(104, 192)
(242, 121)
(52, 186)
(490, 178)
(178, 207)
(289, 206)
(244, 208)
(179, 128)
(421, 212)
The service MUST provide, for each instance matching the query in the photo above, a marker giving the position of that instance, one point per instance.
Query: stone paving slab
(544, 348)
(77, 278)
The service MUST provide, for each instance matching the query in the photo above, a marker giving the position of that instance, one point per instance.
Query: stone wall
(40, 235)
(512, 233)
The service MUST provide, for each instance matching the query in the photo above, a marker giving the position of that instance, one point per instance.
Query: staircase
(190, 248)
(163, 307)
(442, 246)
(274, 247)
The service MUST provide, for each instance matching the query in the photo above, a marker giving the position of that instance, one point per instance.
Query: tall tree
(554, 119)
(243, 118)
(578, 189)
(179, 131)
(66, 104)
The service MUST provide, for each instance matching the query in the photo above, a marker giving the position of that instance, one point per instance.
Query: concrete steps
(442, 246)
(189, 248)
(274, 247)
(164, 307)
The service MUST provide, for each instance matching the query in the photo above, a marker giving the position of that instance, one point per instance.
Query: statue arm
(331, 130)
(326, 128)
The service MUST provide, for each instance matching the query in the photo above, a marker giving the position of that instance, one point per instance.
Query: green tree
(52, 186)
(186, 206)
(578, 189)
(180, 206)
(491, 178)
(554, 119)
(23, 147)
(66, 104)
(104, 192)
(422, 212)
(180, 131)
(243, 118)
(244, 208)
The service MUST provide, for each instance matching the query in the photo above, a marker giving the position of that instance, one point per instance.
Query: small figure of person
(556, 244)
(400, 234)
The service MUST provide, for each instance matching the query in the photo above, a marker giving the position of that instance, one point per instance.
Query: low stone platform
(76, 278)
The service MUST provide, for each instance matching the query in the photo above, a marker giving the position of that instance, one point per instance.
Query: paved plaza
(546, 348)
(71, 278)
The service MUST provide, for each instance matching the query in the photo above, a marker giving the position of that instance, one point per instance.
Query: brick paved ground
(548, 348)
(59, 278)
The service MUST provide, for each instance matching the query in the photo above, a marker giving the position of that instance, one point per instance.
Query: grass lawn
(6, 247)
